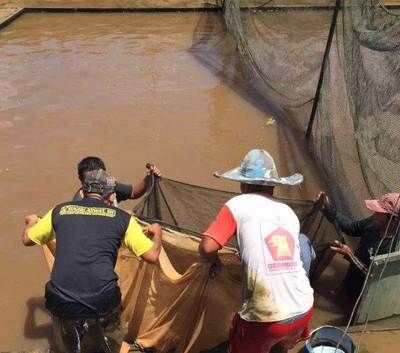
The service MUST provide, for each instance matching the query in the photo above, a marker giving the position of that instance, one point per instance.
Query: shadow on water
(34, 330)
(215, 49)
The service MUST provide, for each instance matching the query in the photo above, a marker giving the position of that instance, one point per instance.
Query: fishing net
(191, 209)
(175, 306)
(355, 135)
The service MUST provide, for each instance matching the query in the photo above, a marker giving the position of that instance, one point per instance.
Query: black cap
(99, 182)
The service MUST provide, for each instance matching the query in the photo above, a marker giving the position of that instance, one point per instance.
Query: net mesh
(355, 136)
(356, 132)
(191, 209)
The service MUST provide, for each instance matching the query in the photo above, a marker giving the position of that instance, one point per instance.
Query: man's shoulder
(368, 221)
(256, 200)
(78, 195)
(79, 205)
(259, 205)
(248, 204)
(122, 216)
(237, 201)
(237, 197)
(62, 204)
(366, 227)
(120, 211)
(369, 228)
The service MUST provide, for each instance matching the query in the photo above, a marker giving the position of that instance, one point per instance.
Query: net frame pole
(321, 74)
(168, 207)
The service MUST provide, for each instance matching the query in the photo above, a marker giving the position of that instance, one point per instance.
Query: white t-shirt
(275, 284)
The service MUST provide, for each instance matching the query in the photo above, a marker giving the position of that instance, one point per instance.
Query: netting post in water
(321, 74)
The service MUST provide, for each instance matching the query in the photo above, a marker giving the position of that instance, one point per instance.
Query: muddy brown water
(130, 88)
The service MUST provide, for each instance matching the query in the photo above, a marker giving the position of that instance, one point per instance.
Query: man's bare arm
(155, 231)
(349, 255)
(139, 189)
(30, 221)
(208, 249)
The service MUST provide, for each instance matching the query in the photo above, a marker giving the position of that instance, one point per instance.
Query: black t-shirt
(123, 192)
(83, 282)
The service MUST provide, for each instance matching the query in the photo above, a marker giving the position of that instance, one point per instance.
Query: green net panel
(191, 209)
(355, 137)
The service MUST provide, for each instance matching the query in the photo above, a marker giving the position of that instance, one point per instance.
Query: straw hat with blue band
(258, 167)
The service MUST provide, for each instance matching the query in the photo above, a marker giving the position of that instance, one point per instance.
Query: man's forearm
(155, 232)
(211, 257)
(139, 189)
(157, 243)
(25, 238)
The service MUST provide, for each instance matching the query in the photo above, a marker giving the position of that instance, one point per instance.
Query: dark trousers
(354, 282)
(81, 335)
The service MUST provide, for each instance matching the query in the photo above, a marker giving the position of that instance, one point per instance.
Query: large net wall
(355, 136)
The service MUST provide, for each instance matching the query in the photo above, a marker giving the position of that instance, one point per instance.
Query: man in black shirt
(376, 234)
(122, 191)
(82, 294)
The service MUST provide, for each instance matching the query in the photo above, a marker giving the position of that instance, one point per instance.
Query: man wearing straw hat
(277, 296)
(377, 235)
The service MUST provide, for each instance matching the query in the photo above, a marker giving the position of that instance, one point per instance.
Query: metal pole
(321, 74)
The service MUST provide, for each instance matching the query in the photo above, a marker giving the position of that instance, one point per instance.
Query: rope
(384, 329)
(156, 201)
(168, 207)
(262, 5)
(384, 8)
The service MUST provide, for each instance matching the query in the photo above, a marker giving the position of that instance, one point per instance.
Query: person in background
(83, 295)
(122, 191)
(278, 298)
(376, 234)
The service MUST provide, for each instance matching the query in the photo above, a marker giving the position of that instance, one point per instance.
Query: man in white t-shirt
(277, 296)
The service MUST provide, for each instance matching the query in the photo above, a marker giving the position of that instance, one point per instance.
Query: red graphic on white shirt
(280, 244)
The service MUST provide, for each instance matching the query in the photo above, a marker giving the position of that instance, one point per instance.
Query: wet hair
(88, 164)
